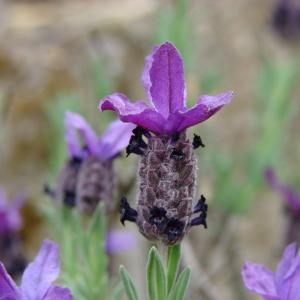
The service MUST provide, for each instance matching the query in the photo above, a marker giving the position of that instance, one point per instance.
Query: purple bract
(37, 279)
(113, 140)
(284, 284)
(10, 218)
(291, 198)
(163, 80)
(117, 242)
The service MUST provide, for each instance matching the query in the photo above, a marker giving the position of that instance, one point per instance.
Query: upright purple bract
(163, 80)
(284, 284)
(167, 169)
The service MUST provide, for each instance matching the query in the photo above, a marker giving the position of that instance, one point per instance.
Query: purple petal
(288, 274)
(259, 280)
(40, 274)
(137, 113)
(58, 293)
(163, 79)
(119, 241)
(74, 122)
(291, 198)
(204, 109)
(8, 289)
(115, 139)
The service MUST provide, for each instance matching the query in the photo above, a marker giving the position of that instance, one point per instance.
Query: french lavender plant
(37, 279)
(167, 170)
(88, 176)
(291, 203)
(11, 252)
(284, 284)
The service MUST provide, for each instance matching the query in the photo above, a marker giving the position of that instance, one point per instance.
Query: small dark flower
(168, 165)
(285, 18)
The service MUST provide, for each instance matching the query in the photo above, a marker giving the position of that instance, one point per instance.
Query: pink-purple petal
(204, 109)
(75, 122)
(8, 289)
(115, 139)
(260, 280)
(58, 293)
(163, 79)
(291, 198)
(42, 272)
(118, 241)
(137, 113)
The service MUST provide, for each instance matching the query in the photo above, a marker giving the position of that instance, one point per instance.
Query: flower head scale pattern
(163, 80)
(284, 284)
(37, 279)
(10, 217)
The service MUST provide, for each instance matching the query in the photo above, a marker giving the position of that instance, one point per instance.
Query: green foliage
(83, 253)
(173, 24)
(161, 284)
(238, 179)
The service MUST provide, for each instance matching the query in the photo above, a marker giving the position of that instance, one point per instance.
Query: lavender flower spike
(292, 204)
(37, 279)
(88, 176)
(168, 166)
(163, 80)
(284, 284)
(10, 218)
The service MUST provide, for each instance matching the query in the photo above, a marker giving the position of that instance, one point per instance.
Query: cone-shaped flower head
(10, 217)
(88, 176)
(292, 203)
(168, 165)
(37, 279)
(284, 284)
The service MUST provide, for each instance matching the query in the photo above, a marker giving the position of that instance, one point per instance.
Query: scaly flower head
(284, 284)
(163, 80)
(37, 279)
(10, 217)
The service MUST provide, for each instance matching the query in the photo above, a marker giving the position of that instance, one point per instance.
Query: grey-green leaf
(156, 278)
(174, 253)
(179, 290)
(128, 284)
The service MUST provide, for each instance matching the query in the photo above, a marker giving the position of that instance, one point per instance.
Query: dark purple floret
(197, 142)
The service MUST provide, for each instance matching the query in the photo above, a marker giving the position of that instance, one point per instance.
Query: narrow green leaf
(156, 277)
(174, 253)
(179, 290)
(128, 284)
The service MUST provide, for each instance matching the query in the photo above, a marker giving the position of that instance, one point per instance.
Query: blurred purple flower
(163, 80)
(113, 140)
(37, 279)
(292, 199)
(284, 284)
(10, 218)
(118, 241)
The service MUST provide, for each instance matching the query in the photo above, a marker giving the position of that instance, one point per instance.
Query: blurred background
(59, 54)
